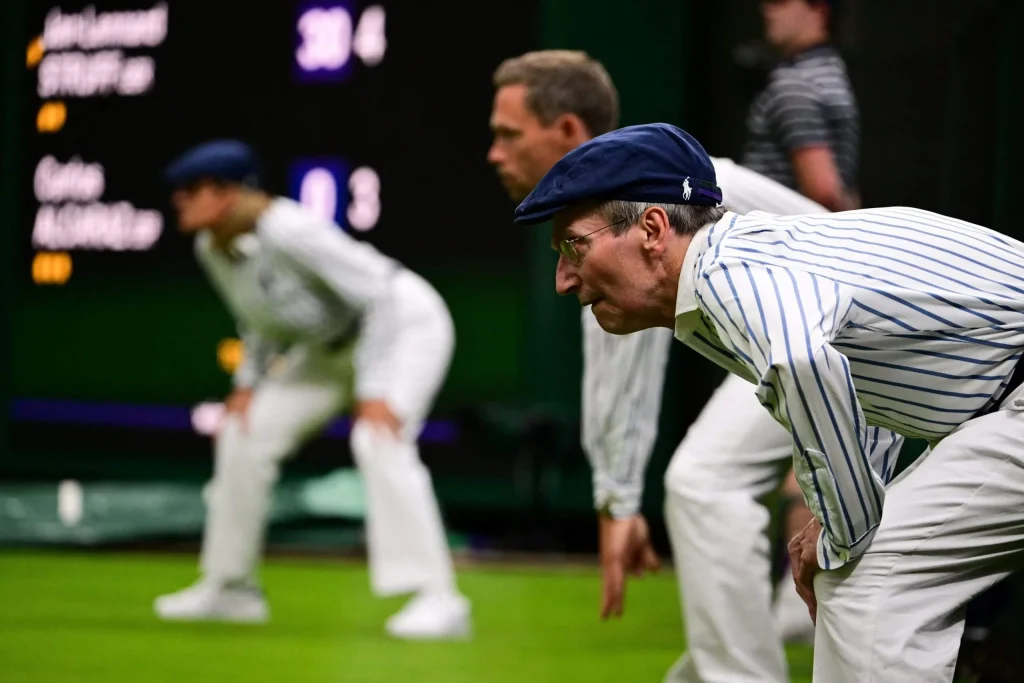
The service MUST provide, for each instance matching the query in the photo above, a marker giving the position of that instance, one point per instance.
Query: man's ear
(656, 228)
(572, 129)
(232, 198)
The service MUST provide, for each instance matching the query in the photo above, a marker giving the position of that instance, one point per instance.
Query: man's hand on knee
(378, 413)
(803, 554)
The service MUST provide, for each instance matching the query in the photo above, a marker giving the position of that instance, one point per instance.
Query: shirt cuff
(830, 557)
(615, 505)
(371, 390)
(245, 378)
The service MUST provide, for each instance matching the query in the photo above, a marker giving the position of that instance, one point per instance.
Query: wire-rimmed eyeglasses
(567, 247)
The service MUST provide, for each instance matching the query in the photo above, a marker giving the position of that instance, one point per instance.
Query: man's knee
(248, 444)
(375, 447)
(693, 475)
(679, 475)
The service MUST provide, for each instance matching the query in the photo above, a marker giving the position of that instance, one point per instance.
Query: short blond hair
(564, 82)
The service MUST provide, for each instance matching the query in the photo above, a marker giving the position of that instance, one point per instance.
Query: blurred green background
(940, 90)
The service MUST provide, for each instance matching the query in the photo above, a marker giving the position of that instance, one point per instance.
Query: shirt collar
(819, 50)
(242, 247)
(247, 244)
(686, 294)
(687, 309)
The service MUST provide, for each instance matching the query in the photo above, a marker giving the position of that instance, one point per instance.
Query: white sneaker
(432, 617)
(207, 601)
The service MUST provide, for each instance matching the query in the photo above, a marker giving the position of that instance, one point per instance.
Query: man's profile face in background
(203, 205)
(524, 148)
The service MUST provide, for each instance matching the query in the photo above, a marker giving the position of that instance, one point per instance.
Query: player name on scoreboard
(82, 55)
(70, 215)
(83, 52)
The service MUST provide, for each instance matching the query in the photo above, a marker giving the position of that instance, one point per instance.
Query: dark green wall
(642, 46)
(1009, 133)
(155, 340)
(645, 48)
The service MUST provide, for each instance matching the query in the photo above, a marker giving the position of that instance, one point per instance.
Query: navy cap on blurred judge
(225, 160)
(654, 162)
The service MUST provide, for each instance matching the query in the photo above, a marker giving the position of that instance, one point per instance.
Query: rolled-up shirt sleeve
(780, 324)
(623, 377)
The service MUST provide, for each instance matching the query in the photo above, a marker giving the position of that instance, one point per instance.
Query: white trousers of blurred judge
(408, 551)
(732, 455)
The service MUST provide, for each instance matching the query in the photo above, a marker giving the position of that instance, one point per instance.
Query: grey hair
(685, 219)
(564, 82)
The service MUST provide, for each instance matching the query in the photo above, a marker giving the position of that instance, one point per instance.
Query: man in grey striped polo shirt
(895, 318)
(803, 128)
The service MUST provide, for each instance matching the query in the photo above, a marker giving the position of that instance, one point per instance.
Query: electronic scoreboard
(372, 113)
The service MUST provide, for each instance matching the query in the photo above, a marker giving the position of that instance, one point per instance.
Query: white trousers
(733, 454)
(953, 525)
(405, 535)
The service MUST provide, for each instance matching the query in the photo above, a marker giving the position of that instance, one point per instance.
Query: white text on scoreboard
(83, 52)
(70, 215)
(329, 37)
(349, 198)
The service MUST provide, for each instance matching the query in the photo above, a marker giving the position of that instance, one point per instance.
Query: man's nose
(495, 156)
(567, 279)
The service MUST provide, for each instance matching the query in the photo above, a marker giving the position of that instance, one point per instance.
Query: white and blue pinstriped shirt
(897, 318)
(623, 376)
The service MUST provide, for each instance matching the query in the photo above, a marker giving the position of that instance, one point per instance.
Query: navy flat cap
(654, 162)
(226, 160)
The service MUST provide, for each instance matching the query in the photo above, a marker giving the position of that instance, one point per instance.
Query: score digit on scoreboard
(329, 37)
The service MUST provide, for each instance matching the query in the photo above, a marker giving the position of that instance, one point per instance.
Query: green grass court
(86, 618)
